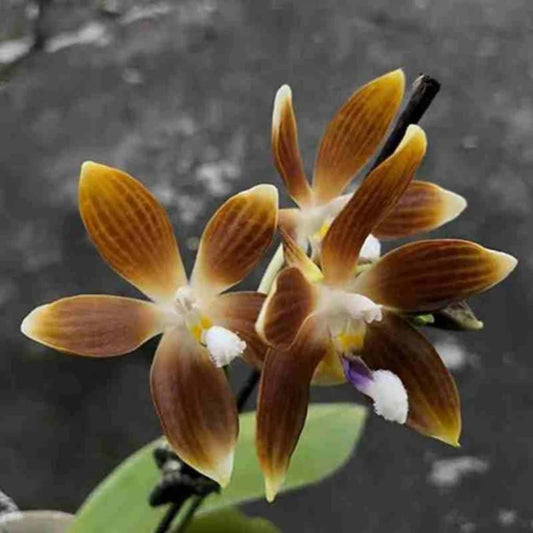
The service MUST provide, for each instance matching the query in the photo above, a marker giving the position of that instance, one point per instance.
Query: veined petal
(289, 220)
(238, 312)
(295, 256)
(195, 405)
(423, 207)
(283, 400)
(290, 301)
(433, 400)
(131, 231)
(369, 205)
(285, 148)
(429, 275)
(355, 133)
(235, 239)
(94, 325)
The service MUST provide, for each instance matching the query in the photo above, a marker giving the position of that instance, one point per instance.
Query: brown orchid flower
(350, 139)
(341, 321)
(202, 328)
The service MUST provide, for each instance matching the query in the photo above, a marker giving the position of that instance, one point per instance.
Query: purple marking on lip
(356, 372)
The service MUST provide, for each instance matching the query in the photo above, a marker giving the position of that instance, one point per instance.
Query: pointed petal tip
(90, 169)
(222, 471)
(273, 483)
(397, 77)
(284, 92)
(268, 191)
(454, 205)
(26, 325)
(507, 262)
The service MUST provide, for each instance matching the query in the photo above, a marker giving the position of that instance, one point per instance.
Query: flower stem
(425, 88)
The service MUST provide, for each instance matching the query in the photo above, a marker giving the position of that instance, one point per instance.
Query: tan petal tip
(28, 324)
(396, 78)
(506, 262)
(273, 485)
(454, 205)
(283, 98)
(449, 436)
(267, 191)
(221, 472)
(90, 169)
(416, 135)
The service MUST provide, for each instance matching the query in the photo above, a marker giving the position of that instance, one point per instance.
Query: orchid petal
(434, 407)
(290, 301)
(368, 206)
(131, 231)
(355, 133)
(295, 256)
(235, 239)
(283, 400)
(238, 312)
(423, 207)
(94, 325)
(428, 275)
(195, 405)
(285, 148)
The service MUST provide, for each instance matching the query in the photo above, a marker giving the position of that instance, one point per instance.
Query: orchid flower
(347, 323)
(350, 139)
(202, 329)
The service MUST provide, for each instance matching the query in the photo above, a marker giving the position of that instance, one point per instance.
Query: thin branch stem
(168, 518)
(189, 514)
(425, 88)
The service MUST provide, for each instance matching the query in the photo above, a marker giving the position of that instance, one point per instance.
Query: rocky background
(179, 94)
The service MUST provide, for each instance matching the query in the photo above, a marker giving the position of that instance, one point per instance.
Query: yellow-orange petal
(131, 230)
(238, 312)
(433, 401)
(423, 207)
(195, 405)
(290, 301)
(376, 196)
(285, 148)
(428, 275)
(355, 133)
(94, 325)
(295, 256)
(235, 239)
(283, 400)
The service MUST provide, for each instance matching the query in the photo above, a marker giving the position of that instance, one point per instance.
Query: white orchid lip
(383, 386)
(223, 345)
(339, 303)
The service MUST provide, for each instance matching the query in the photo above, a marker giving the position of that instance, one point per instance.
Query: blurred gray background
(179, 94)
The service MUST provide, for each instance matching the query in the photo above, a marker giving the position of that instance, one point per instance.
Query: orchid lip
(383, 386)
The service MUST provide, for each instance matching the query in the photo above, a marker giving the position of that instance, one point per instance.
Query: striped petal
(131, 231)
(376, 196)
(295, 256)
(283, 400)
(433, 400)
(238, 312)
(355, 133)
(235, 239)
(290, 301)
(94, 325)
(195, 405)
(429, 275)
(423, 207)
(285, 148)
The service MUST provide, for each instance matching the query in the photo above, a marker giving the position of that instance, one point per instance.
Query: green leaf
(120, 502)
(230, 520)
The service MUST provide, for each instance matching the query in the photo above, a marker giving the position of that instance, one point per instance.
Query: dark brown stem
(425, 88)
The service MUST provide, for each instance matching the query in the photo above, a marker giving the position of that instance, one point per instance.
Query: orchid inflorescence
(335, 312)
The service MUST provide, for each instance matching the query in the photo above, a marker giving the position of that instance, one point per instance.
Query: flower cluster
(336, 312)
